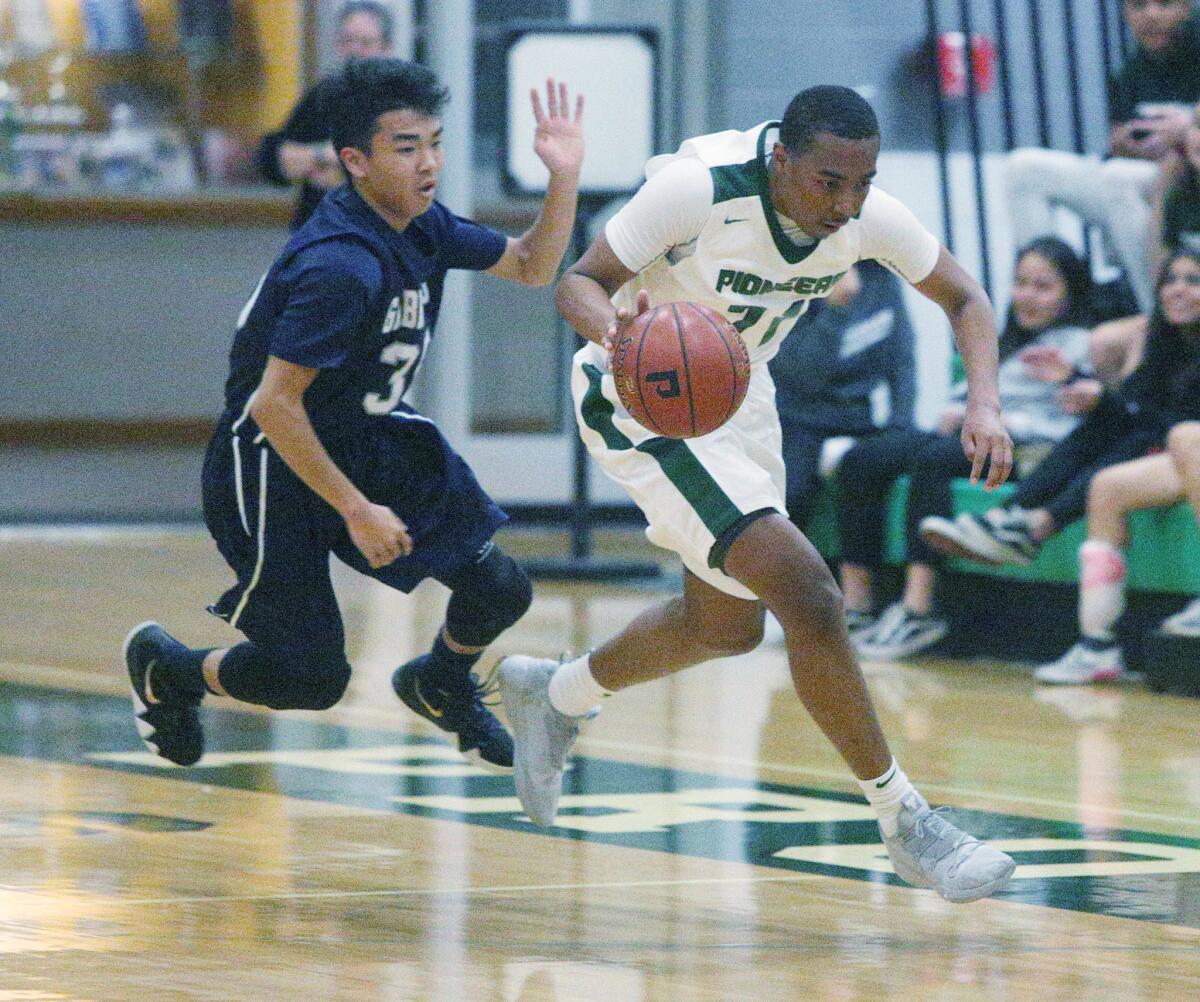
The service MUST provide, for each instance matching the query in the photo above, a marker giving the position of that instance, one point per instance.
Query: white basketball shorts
(690, 490)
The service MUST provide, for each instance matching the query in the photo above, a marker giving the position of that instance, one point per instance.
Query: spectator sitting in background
(1156, 481)
(845, 371)
(1118, 344)
(1150, 103)
(1176, 205)
(1116, 348)
(301, 152)
(1045, 340)
(1122, 424)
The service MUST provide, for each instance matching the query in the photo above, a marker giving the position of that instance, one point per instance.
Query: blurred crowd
(172, 91)
(1100, 385)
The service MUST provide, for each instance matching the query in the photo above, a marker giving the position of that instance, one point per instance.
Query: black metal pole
(939, 121)
(1039, 72)
(1106, 45)
(1122, 34)
(581, 509)
(1010, 132)
(1073, 74)
(1077, 133)
(985, 264)
(582, 565)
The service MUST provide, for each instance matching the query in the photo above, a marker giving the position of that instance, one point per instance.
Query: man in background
(301, 153)
(846, 372)
(1150, 105)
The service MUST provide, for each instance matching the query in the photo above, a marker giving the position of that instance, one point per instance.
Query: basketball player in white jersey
(755, 224)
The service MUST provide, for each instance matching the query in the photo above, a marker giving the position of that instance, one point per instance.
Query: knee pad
(486, 598)
(285, 680)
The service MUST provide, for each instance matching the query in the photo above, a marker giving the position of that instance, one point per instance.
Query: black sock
(444, 661)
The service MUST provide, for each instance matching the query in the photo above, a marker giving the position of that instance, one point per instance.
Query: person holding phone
(1176, 203)
(1150, 101)
(301, 153)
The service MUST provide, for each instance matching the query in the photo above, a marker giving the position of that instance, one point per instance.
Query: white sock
(573, 691)
(884, 793)
(1101, 589)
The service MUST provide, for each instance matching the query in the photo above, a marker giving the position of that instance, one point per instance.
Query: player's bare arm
(533, 258)
(278, 410)
(584, 295)
(984, 437)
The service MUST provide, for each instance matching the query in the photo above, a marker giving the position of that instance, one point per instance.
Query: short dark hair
(827, 108)
(368, 88)
(387, 23)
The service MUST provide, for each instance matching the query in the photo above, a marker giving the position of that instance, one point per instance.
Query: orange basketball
(681, 370)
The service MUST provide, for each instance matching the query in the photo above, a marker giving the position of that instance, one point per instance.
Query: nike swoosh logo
(727, 221)
(150, 697)
(421, 698)
(882, 783)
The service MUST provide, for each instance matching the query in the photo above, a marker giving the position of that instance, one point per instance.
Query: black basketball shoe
(168, 721)
(455, 703)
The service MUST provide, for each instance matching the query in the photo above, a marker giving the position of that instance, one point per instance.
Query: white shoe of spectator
(1185, 623)
(858, 621)
(899, 633)
(1082, 665)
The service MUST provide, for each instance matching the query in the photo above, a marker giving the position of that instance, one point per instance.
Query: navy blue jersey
(350, 296)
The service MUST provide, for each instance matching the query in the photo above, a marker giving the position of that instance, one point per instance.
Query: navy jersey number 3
(357, 301)
(317, 452)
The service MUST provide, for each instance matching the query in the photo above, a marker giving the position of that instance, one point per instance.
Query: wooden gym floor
(710, 847)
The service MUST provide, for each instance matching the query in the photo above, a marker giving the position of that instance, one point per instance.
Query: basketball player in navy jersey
(317, 453)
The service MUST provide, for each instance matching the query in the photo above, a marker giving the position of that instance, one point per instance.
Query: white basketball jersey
(703, 229)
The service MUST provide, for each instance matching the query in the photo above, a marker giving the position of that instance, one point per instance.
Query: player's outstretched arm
(984, 437)
(278, 409)
(533, 258)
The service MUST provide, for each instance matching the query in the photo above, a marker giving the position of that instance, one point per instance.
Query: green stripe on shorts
(678, 462)
(597, 412)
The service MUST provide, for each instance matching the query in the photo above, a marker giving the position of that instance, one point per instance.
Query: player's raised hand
(985, 440)
(379, 534)
(558, 141)
(623, 319)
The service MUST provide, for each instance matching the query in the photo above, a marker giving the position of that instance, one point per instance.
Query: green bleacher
(1164, 552)
(1164, 555)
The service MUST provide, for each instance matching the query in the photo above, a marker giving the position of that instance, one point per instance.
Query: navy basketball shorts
(277, 535)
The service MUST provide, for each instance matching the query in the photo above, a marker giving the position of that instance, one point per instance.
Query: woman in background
(1044, 342)
(1112, 464)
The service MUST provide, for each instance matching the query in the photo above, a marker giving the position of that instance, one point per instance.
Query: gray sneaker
(541, 734)
(928, 851)
(1084, 664)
